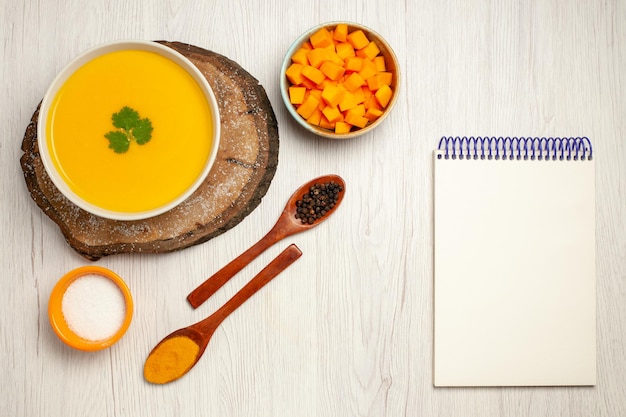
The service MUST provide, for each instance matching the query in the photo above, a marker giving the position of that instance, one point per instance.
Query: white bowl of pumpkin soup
(128, 130)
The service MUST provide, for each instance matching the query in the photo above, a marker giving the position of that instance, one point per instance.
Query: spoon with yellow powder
(178, 352)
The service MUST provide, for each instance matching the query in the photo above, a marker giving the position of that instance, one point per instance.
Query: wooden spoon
(178, 352)
(286, 225)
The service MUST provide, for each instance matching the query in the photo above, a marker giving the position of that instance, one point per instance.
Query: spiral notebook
(514, 262)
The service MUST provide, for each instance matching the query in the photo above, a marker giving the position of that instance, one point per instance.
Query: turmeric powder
(170, 360)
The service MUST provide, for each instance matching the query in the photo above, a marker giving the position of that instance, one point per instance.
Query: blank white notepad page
(514, 272)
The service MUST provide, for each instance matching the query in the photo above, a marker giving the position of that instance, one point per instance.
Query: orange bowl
(60, 325)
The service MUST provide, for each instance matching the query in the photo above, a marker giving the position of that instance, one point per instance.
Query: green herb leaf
(118, 141)
(143, 131)
(130, 126)
(126, 118)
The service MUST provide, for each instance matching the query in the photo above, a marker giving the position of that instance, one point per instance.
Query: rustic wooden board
(244, 168)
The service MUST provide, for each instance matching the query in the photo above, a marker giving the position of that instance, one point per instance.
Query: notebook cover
(514, 272)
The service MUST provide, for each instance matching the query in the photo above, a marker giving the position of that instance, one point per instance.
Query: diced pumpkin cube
(353, 82)
(332, 95)
(373, 114)
(313, 74)
(340, 34)
(332, 70)
(321, 38)
(368, 69)
(324, 123)
(387, 77)
(332, 114)
(370, 51)
(307, 45)
(355, 120)
(381, 65)
(316, 56)
(294, 73)
(354, 63)
(327, 81)
(383, 95)
(372, 103)
(315, 117)
(315, 92)
(334, 57)
(299, 57)
(308, 83)
(348, 101)
(358, 39)
(342, 128)
(359, 110)
(296, 94)
(378, 80)
(307, 108)
(345, 50)
(359, 95)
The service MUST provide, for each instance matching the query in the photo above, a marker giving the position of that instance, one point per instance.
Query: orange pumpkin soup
(89, 122)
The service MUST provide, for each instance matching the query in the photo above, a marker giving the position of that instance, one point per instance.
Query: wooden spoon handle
(209, 287)
(280, 263)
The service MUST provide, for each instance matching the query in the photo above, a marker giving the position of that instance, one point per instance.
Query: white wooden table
(346, 330)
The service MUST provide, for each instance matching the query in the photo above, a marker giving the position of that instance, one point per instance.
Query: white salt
(94, 307)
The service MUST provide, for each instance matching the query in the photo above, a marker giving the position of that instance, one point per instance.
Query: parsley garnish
(129, 127)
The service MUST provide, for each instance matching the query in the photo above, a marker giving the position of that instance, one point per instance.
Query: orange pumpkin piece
(381, 65)
(315, 117)
(332, 70)
(383, 95)
(321, 39)
(340, 34)
(370, 51)
(342, 128)
(332, 95)
(368, 69)
(348, 101)
(294, 73)
(355, 120)
(307, 108)
(359, 110)
(358, 39)
(354, 63)
(318, 95)
(353, 81)
(324, 123)
(296, 94)
(378, 80)
(334, 57)
(299, 57)
(313, 74)
(373, 114)
(316, 56)
(332, 114)
(359, 94)
(345, 50)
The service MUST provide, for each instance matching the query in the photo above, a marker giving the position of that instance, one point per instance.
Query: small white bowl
(77, 63)
(391, 62)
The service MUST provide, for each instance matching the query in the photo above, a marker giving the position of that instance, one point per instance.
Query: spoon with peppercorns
(310, 205)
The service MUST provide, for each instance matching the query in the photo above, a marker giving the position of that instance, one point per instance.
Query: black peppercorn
(315, 204)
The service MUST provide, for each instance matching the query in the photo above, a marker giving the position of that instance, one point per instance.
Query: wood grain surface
(347, 330)
(243, 170)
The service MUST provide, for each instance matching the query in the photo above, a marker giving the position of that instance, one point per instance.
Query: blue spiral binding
(514, 148)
